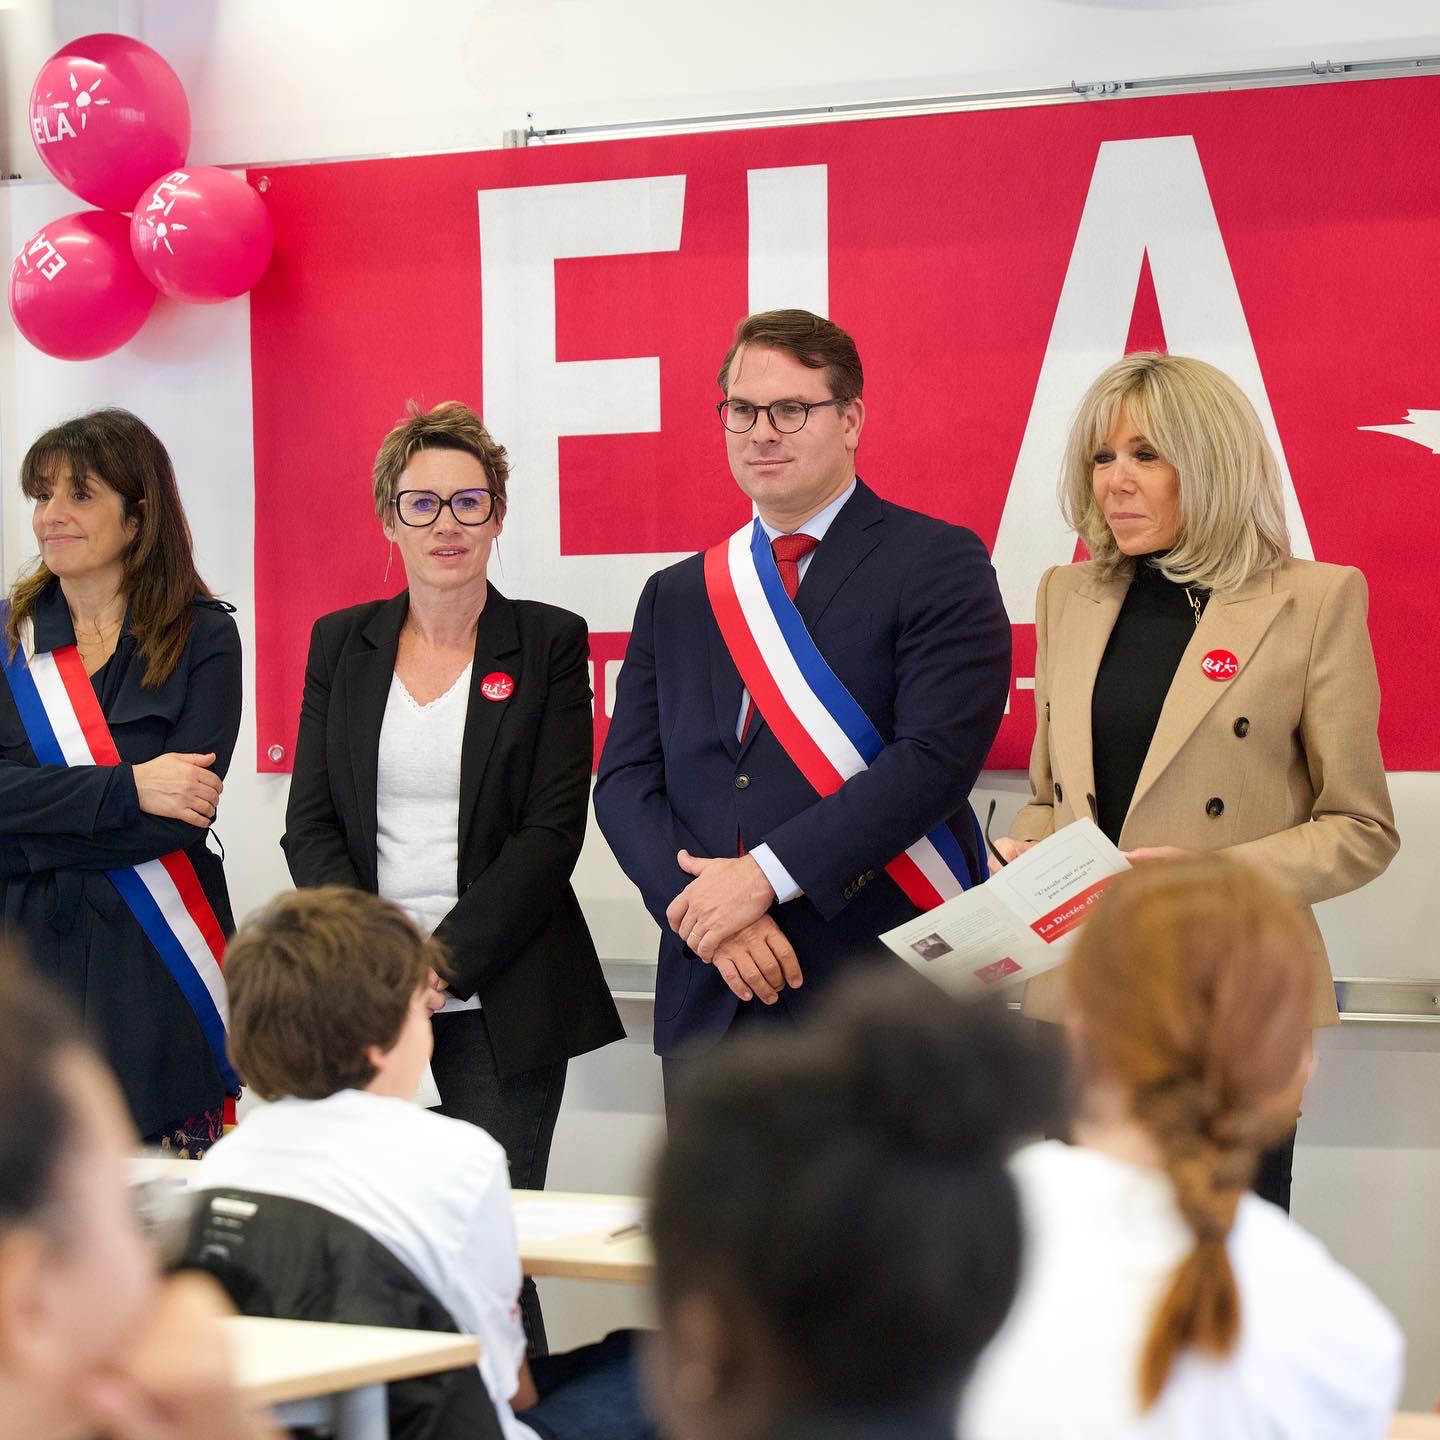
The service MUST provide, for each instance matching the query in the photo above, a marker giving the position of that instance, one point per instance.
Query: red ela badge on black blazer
(1220, 665)
(497, 685)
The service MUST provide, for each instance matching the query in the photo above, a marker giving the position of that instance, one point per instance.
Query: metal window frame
(1312, 73)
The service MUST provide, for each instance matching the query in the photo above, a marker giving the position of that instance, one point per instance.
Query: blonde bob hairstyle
(451, 425)
(1232, 510)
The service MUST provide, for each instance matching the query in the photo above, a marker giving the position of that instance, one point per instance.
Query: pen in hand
(989, 843)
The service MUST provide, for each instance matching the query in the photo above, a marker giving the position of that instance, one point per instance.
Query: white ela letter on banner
(532, 399)
(789, 239)
(1199, 308)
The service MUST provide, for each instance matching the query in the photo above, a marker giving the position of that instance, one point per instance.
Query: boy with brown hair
(331, 993)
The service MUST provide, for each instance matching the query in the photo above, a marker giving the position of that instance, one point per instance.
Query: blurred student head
(1191, 994)
(91, 1342)
(330, 990)
(75, 1271)
(834, 1224)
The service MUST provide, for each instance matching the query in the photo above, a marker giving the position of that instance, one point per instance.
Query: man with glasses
(802, 711)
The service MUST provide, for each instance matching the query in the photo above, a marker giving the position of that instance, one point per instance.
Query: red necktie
(789, 550)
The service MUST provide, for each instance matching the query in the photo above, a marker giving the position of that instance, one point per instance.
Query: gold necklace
(1196, 605)
(103, 635)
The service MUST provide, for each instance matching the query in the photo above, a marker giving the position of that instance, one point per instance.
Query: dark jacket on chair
(289, 1260)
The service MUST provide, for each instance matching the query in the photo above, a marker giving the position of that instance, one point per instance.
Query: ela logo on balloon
(83, 101)
(47, 259)
(163, 200)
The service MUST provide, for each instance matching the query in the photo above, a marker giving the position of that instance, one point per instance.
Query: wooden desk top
(562, 1233)
(280, 1360)
(565, 1234)
(1414, 1425)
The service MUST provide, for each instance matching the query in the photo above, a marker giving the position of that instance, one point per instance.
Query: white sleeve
(781, 881)
(486, 1281)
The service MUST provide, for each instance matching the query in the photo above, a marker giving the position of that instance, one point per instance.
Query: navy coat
(60, 829)
(906, 610)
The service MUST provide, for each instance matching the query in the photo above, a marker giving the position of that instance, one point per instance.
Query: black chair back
(291, 1260)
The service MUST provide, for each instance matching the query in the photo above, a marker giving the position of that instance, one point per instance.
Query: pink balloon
(201, 235)
(107, 114)
(75, 290)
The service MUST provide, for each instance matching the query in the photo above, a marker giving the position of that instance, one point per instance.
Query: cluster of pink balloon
(111, 122)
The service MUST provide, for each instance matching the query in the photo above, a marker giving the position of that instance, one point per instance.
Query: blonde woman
(1196, 686)
(1157, 1298)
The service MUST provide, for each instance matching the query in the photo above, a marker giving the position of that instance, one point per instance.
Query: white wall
(274, 80)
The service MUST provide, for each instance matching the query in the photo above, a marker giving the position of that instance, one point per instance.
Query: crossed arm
(104, 817)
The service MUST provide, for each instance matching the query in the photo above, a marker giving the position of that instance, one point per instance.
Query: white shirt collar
(819, 523)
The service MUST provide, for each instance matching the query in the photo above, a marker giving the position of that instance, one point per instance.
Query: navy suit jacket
(906, 610)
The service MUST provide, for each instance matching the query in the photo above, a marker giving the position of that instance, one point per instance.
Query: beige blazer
(1279, 765)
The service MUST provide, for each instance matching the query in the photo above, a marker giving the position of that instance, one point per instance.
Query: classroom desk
(335, 1375)
(563, 1234)
(1414, 1425)
(567, 1235)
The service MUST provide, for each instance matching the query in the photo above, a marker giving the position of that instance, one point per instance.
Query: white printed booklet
(1019, 923)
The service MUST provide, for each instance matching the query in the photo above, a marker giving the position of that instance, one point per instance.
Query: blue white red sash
(818, 723)
(66, 726)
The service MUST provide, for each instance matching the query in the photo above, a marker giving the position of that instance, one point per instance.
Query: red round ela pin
(497, 685)
(1220, 665)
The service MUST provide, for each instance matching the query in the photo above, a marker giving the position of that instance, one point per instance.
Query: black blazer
(516, 935)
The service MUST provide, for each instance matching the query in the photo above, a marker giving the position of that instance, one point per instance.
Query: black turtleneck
(1151, 632)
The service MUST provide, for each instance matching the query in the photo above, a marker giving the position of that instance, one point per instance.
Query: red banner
(988, 264)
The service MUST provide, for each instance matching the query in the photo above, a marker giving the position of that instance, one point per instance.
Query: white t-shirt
(1318, 1357)
(433, 1191)
(417, 806)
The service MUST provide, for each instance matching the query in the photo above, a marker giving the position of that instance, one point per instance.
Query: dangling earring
(499, 559)
(390, 555)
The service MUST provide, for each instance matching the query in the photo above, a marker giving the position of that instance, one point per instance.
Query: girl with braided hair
(1160, 1298)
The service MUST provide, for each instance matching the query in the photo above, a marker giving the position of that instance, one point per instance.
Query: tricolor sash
(818, 723)
(65, 726)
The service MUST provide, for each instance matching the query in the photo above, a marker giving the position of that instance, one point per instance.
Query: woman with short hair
(1158, 1297)
(119, 709)
(443, 762)
(1197, 687)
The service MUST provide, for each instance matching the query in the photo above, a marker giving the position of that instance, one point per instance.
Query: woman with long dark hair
(118, 714)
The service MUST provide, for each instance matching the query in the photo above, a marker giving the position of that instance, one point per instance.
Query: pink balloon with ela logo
(75, 290)
(108, 114)
(201, 235)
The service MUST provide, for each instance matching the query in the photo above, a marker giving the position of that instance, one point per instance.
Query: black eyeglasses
(785, 416)
(423, 507)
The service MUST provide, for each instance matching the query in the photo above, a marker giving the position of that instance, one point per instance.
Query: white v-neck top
(417, 805)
